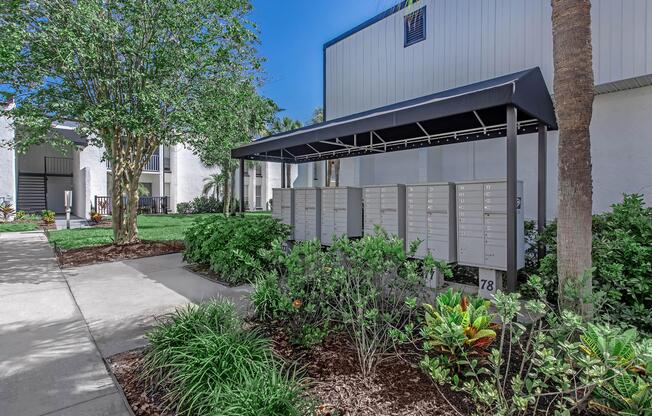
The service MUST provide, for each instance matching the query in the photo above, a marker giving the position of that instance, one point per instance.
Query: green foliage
(47, 216)
(231, 246)
(210, 365)
(6, 210)
(628, 386)
(134, 75)
(201, 205)
(557, 365)
(20, 215)
(622, 261)
(298, 291)
(184, 208)
(458, 326)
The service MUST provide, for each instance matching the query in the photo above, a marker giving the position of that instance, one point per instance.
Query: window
(246, 195)
(415, 27)
(333, 174)
(259, 170)
(259, 201)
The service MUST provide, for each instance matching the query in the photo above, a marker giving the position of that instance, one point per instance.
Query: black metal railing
(146, 205)
(58, 166)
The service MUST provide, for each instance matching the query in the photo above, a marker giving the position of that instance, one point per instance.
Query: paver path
(49, 364)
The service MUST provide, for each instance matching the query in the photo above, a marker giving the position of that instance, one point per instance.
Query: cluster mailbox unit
(283, 207)
(341, 213)
(431, 219)
(307, 214)
(482, 229)
(384, 205)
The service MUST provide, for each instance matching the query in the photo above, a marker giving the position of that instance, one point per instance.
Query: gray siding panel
(472, 40)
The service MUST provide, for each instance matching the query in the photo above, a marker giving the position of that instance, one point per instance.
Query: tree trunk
(574, 91)
(124, 210)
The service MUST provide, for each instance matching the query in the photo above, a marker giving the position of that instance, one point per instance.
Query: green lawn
(13, 227)
(150, 227)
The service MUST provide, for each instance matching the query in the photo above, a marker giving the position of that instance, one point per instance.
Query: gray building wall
(468, 41)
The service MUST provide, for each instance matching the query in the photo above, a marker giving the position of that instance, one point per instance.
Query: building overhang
(463, 114)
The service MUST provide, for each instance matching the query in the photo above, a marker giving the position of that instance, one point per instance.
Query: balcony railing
(146, 205)
(151, 166)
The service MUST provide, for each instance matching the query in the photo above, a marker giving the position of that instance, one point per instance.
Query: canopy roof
(472, 112)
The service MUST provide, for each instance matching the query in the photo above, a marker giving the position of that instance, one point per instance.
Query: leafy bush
(557, 365)
(628, 389)
(210, 365)
(297, 291)
(206, 205)
(184, 208)
(20, 215)
(368, 287)
(231, 246)
(96, 217)
(47, 216)
(622, 259)
(459, 326)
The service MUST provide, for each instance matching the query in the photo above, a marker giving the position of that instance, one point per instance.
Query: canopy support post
(282, 174)
(542, 173)
(512, 178)
(242, 187)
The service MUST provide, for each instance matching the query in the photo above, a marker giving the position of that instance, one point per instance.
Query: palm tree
(280, 125)
(212, 184)
(574, 91)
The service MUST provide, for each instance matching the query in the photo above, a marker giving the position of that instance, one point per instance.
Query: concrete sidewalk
(121, 300)
(49, 364)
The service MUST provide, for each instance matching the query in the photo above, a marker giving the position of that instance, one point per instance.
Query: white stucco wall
(188, 173)
(7, 162)
(90, 175)
(621, 149)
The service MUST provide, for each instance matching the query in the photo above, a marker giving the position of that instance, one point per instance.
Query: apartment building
(430, 46)
(37, 179)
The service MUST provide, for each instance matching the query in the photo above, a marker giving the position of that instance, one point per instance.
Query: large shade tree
(133, 75)
(574, 92)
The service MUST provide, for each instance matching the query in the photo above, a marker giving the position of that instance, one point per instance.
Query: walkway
(49, 364)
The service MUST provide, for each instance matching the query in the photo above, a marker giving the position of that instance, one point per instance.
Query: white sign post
(68, 203)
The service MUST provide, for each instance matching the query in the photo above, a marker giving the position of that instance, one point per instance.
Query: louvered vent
(415, 27)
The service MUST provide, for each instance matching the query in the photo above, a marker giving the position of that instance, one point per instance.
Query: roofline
(394, 9)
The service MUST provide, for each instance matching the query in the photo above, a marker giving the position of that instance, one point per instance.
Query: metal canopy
(469, 113)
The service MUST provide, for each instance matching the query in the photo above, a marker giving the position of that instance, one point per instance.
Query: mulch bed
(110, 252)
(399, 387)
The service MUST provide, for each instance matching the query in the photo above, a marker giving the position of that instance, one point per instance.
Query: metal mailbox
(482, 224)
(384, 205)
(283, 207)
(341, 213)
(307, 214)
(430, 217)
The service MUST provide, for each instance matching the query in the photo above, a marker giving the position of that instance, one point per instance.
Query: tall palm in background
(574, 91)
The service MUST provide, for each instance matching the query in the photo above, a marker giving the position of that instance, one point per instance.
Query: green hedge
(231, 246)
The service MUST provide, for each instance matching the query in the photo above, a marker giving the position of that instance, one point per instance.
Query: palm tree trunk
(574, 91)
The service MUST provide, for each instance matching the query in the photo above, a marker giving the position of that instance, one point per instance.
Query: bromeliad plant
(7, 210)
(458, 325)
(47, 216)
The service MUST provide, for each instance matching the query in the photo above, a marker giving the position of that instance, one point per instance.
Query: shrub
(556, 365)
(622, 261)
(459, 325)
(206, 205)
(184, 208)
(47, 216)
(96, 217)
(297, 291)
(20, 215)
(210, 365)
(231, 246)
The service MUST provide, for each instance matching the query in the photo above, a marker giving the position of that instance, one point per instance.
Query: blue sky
(293, 33)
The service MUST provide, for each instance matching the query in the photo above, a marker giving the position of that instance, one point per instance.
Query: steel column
(282, 174)
(241, 184)
(512, 178)
(542, 173)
